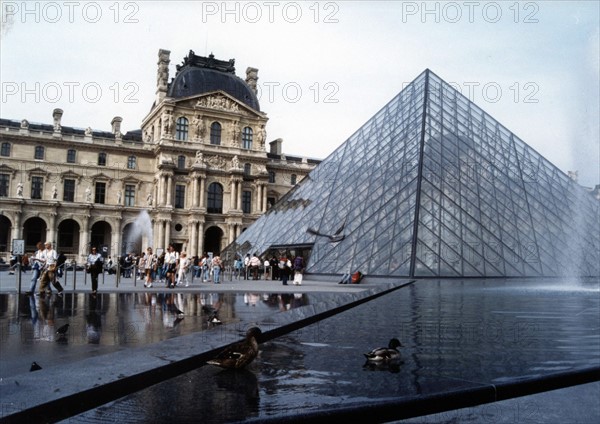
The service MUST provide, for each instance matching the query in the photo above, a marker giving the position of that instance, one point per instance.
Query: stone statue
(20, 189)
(88, 194)
(235, 163)
(88, 132)
(199, 158)
(149, 199)
(199, 127)
(262, 136)
(24, 124)
(54, 192)
(167, 123)
(119, 194)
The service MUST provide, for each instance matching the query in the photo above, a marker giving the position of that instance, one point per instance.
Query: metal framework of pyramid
(433, 186)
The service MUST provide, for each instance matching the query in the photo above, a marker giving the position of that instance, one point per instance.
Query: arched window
(101, 159)
(215, 198)
(5, 151)
(247, 138)
(181, 162)
(181, 131)
(215, 133)
(247, 169)
(71, 154)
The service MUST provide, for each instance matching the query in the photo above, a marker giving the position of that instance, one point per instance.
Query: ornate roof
(199, 75)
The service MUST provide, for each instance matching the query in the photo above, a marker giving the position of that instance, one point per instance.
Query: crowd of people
(274, 268)
(169, 268)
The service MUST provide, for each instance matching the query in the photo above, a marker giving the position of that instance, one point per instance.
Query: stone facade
(196, 174)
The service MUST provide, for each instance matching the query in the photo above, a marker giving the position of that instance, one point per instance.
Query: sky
(325, 67)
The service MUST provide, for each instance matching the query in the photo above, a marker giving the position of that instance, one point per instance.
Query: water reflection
(110, 321)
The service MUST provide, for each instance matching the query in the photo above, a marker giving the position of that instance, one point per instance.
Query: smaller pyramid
(432, 186)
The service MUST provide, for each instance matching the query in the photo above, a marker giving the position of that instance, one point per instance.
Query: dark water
(110, 322)
(455, 334)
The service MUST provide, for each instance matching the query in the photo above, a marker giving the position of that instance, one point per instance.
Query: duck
(385, 354)
(240, 354)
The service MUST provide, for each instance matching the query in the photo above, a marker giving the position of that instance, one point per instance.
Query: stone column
(233, 198)
(159, 198)
(52, 230)
(200, 237)
(169, 189)
(202, 188)
(194, 191)
(17, 230)
(167, 234)
(257, 207)
(116, 250)
(264, 200)
(84, 238)
(160, 241)
(193, 242)
(239, 196)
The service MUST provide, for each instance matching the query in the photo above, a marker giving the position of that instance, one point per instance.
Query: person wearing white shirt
(94, 267)
(171, 258)
(49, 271)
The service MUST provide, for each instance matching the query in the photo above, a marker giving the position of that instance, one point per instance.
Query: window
(247, 169)
(179, 196)
(181, 162)
(37, 185)
(270, 202)
(69, 190)
(215, 133)
(246, 201)
(131, 162)
(272, 176)
(71, 153)
(39, 152)
(5, 150)
(247, 138)
(215, 198)
(100, 194)
(129, 195)
(293, 179)
(101, 159)
(4, 179)
(181, 129)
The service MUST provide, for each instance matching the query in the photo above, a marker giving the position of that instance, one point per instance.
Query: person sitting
(353, 278)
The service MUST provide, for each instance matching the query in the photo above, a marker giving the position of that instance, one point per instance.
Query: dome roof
(200, 75)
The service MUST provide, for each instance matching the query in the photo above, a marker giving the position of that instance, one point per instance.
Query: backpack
(356, 277)
(298, 262)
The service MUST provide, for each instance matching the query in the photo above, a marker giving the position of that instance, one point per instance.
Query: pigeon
(35, 366)
(239, 354)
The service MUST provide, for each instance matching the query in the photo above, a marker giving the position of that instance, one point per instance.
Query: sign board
(18, 247)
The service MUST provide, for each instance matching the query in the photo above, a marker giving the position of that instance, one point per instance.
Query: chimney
(252, 78)
(276, 146)
(162, 74)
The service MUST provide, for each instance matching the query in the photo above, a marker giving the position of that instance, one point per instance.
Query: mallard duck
(239, 354)
(385, 354)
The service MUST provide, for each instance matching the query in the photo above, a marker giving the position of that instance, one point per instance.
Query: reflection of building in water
(433, 186)
(199, 164)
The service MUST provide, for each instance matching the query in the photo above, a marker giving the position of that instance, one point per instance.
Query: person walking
(49, 271)
(37, 263)
(217, 265)
(93, 267)
(184, 265)
(171, 258)
(149, 267)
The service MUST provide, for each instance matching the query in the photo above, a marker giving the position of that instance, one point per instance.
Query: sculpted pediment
(221, 101)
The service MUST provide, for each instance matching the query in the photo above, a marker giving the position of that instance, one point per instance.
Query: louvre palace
(196, 174)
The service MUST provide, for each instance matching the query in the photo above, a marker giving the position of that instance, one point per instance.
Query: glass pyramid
(433, 186)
